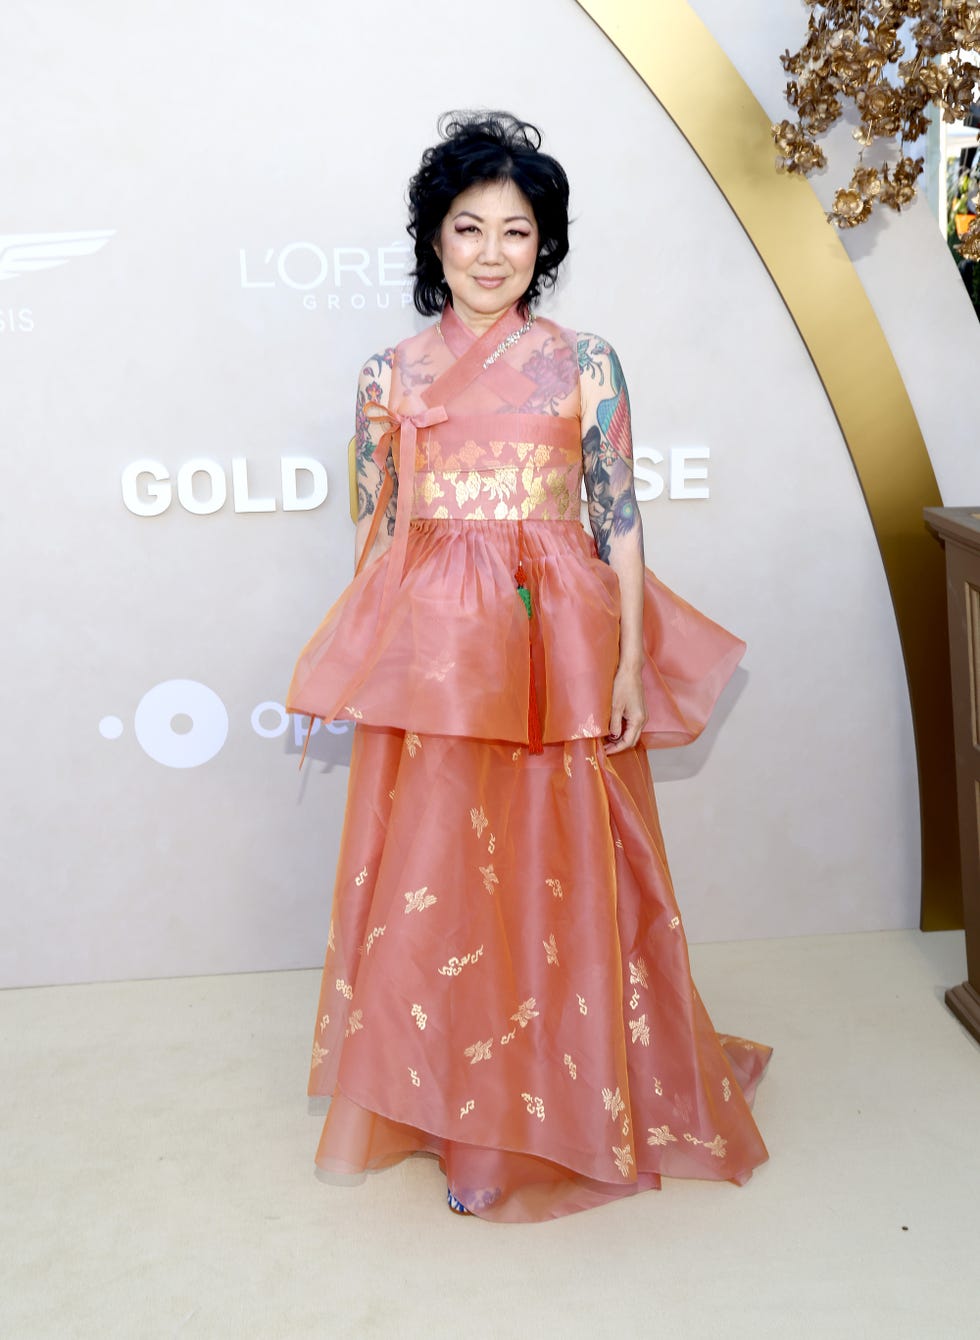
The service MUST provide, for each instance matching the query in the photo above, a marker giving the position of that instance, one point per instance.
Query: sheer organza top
(510, 447)
(433, 636)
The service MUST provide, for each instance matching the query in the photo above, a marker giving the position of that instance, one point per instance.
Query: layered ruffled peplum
(451, 655)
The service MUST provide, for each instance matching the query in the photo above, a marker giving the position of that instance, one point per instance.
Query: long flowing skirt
(507, 983)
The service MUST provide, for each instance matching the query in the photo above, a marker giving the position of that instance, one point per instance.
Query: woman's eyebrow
(511, 218)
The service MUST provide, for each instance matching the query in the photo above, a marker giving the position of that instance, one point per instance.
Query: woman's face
(488, 245)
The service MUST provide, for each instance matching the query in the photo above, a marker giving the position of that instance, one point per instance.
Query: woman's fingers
(625, 726)
(617, 723)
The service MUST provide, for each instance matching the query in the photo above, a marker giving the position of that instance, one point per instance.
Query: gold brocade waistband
(503, 493)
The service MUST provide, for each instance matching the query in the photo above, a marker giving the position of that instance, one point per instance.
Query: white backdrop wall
(226, 184)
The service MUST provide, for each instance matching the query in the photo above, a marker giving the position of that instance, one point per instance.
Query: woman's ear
(437, 248)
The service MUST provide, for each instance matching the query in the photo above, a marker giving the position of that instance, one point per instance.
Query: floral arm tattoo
(607, 449)
(365, 440)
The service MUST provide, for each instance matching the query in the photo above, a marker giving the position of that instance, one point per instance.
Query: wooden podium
(958, 530)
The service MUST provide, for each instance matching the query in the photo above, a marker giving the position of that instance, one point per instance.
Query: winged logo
(23, 253)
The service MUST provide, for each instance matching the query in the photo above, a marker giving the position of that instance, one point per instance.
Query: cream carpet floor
(156, 1148)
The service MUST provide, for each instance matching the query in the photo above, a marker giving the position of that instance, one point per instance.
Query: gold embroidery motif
(330, 939)
(502, 483)
(419, 900)
(468, 1107)
(508, 1037)
(626, 1127)
(534, 1105)
(525, 1012)
(515, 755)
(582, 1007)
(535, 501)
(658, 1088)
(726, 1089)
(613, 1102)
(715, 1147)
(441, 514)
(661, 1135)
(557, 486)
(555, 886)
(359, 880)
(674, 923)
(415, 1077)
(588, 729)
(624, 1159)
(572, 1067)
(470, 489)
(429, 488)
(551, 949)
(491, 845)
(354, 1023)
(420, 1017)
(355, 713)
(634, 999)
(345, 990)
(480, 1051)
(595, 768)
(640, 1030)
(376, 934)
(479, 820)
(412, 743)
(467, 485)
(489, 877)
(566, 759)
(639, 973)
(318, 1054)
(456, 965)
(324, 1021)
(439, 669)
(618, 842)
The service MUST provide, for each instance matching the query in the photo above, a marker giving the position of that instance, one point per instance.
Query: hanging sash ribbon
(401, 439)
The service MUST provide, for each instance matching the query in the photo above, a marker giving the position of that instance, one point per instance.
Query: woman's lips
(487, 282)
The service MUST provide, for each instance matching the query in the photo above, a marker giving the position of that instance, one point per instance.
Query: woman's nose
(490, 251)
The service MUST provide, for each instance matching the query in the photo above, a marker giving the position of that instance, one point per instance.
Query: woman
(506, 982)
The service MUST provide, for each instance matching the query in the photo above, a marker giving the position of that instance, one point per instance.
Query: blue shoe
(455, 1205)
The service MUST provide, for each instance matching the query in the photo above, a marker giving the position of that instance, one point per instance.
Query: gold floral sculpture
(891, 59)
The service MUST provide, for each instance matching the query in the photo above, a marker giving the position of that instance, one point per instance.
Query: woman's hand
(628, 713)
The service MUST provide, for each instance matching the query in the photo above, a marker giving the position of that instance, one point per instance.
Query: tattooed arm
(374, 383)
(607, 456)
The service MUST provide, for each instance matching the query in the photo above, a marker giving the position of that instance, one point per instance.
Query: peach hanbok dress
(506, 982)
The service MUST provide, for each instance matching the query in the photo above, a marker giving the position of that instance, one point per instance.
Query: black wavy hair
(485, 147)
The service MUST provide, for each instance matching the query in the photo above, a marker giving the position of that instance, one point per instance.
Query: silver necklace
(504, 344)
(509, 341)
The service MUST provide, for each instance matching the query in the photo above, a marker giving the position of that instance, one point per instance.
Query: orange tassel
(534, 742)
(306, 744)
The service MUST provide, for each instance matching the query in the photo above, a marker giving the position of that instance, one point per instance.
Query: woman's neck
(478, 323)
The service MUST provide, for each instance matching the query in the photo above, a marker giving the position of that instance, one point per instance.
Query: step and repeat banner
(202, 238)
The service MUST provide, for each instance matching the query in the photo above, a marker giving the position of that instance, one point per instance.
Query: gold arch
(714, 109)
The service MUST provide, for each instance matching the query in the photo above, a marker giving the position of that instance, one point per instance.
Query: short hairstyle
(485, 147)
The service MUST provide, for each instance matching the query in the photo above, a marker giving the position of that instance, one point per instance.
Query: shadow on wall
(329, 744)
(675, 765)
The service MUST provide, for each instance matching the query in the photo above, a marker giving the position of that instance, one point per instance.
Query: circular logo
(181, 723)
